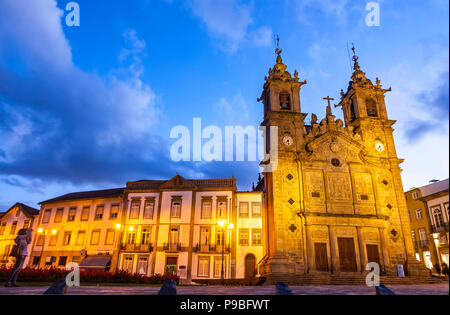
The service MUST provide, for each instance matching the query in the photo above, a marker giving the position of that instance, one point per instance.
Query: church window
(336, 162)
(315, 194)
(290, 177)
(352, 111)
(389, 206)
(364, 197)
(371, 107)
(291, 201)
(285, 101)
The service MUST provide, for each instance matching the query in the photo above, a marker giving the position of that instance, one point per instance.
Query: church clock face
(379, 146)
(288, 141)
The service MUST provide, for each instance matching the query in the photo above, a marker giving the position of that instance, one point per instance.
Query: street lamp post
(436, 245)
(118, 243)
(43, 232)
(222, 226)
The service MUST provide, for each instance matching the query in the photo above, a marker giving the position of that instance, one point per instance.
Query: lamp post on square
(118, 241)
(43, 233)
(436, 245)
(230, 226)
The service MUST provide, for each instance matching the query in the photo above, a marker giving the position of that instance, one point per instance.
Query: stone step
(351, 279)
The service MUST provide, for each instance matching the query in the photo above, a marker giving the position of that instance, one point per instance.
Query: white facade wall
(248, 223)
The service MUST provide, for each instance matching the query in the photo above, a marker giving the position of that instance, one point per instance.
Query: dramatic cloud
(305, 8)
(230, 21)
(58, 122)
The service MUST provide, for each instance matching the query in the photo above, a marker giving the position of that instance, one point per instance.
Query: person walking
(438, 269)
(445, 269)
(20, 251)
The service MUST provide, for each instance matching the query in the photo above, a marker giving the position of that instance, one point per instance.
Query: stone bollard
(261, 281)
(59, 288)
(382, 290)
(283, 289)
(169, 288)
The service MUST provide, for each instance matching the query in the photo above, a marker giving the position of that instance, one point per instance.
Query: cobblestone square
(426, 289)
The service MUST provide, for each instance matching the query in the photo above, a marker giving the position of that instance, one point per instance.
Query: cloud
(232, 112)
(59, 123)
(315, 51)
(436, 103)
(230, 21)
(134, 53)
(420, 96)
(305, 8)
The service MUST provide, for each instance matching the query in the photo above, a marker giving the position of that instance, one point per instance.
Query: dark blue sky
(92, 106)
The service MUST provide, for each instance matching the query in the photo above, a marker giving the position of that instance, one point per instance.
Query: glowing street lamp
(44, 233)
(436, 243)
(230, 226)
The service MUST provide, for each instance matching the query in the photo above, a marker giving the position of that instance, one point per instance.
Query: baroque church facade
(336, 200)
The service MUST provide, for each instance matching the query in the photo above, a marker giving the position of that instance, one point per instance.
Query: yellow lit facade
(17, 217)
(428, 214)
(184, 227)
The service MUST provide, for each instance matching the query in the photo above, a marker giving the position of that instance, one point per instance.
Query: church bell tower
(282, 109)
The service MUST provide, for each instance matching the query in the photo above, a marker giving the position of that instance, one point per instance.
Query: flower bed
(86, 276)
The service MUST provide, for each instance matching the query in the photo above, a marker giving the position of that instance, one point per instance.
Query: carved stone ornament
(394, 235)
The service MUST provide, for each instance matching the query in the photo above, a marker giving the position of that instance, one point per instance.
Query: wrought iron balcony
(172, 247)
(425, 244)
(211, 248)
(137, 247)
(438, 229)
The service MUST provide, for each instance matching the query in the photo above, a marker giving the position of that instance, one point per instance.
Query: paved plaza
(425, 289)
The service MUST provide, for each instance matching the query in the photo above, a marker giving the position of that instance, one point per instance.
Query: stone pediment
(178, 182)
(334, 144)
